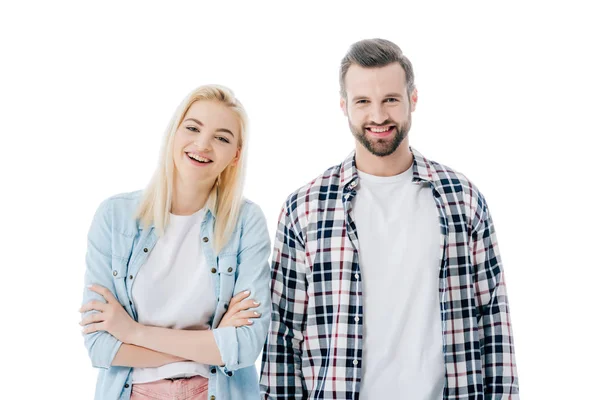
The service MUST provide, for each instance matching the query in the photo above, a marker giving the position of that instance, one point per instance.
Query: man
(386, 277)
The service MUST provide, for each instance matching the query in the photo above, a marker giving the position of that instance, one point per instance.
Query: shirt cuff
(227, 343)
(106, 347)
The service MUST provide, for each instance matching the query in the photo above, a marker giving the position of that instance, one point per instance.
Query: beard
(381, 147)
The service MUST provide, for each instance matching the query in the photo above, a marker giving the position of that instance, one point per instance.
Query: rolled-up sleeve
(101, 346)
(240, 347)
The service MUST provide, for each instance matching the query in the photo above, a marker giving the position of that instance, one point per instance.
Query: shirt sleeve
(281, 375)
(101, 346)
(241, 346)
(496, 340)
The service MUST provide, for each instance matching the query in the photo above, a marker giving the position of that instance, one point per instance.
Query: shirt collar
(421, 168)
(211, 206)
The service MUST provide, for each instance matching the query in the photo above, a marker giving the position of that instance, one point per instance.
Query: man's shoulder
(317, 188)
(447, 180)
(456, 188)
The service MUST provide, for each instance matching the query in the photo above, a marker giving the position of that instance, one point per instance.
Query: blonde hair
(225, 197)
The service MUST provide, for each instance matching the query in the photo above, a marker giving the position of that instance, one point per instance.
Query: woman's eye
(192, 128)
(223, 139)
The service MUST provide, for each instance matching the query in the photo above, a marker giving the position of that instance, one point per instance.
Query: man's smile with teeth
(381, 129)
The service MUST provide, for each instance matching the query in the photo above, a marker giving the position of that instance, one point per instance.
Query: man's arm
(496, 341)
(281, 376)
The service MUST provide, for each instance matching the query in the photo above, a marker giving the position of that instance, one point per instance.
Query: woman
(177, 301)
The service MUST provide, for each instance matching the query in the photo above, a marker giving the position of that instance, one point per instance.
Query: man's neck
(394, 164)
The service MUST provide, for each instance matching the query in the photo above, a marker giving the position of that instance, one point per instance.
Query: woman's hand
(239, 313)
(111, 316)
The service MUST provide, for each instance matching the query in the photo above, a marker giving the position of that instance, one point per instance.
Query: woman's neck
(187, 199)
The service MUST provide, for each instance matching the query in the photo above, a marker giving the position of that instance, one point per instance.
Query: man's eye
(362, 102)
(391, 100)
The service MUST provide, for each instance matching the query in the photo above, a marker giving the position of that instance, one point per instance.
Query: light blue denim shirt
(118, 246)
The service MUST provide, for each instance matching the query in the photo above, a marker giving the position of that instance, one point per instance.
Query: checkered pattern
(314, 348)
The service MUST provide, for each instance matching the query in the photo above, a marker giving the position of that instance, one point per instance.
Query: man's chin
(382, 148)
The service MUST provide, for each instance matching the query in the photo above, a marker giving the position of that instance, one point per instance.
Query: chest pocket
(121, 253)
(227, 266)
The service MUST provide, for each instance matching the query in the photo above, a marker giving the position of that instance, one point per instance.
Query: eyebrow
(218, 130)
(386, 96)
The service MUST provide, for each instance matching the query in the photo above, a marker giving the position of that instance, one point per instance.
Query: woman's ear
(235, 160)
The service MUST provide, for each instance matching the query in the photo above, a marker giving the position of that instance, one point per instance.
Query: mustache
(384, 123)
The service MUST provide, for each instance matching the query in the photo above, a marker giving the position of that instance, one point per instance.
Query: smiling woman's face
(206, 142)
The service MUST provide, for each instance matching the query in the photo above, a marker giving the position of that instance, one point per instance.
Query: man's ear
(414, 98)
(344, 106)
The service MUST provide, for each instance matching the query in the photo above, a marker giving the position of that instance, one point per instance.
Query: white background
(508, 95)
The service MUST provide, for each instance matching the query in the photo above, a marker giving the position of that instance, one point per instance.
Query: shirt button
(126, 385)
(356, 319)
(355, 362)
(229, 373)
(130, 303)
(115, 273)
(229, 269)
(145, 249)
(213, 270)
(213, 370)
(131, 277)
(356, 276)
(347, 196)
(205, 239)
(212, 397)
(226, 306)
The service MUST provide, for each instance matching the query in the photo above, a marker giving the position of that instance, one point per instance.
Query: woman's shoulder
(119, 211)
(249, 210)
(121, 202)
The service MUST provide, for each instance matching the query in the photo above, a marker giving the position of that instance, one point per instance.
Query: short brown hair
(372, 53)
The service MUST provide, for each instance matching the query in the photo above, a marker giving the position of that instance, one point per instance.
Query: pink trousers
(195, 388)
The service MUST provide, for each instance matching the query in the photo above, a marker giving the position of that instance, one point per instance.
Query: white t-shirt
(174, 289)
(399, 246)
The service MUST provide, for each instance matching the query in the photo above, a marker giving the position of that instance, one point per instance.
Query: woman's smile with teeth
(198, 158)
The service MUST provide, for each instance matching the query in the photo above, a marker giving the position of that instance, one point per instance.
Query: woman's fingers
(93, 328)
(246, 315)
(238, 298)
(239, 313)
(241, 322)
(245, 305)
(104, 292)
(93, 305)
(95, 317)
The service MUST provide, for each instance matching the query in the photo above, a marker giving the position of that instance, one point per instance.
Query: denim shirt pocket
(227, 265)
(122, 246)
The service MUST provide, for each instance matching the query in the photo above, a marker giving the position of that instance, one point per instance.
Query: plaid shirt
(314, 348)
